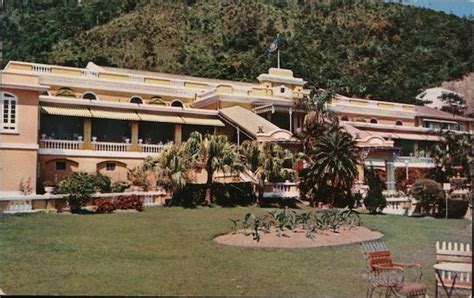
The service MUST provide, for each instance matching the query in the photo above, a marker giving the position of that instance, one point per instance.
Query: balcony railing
(281, 190)
(100, 146)
(107, 146)
(61, 144)
(411, 159)
(151, 148)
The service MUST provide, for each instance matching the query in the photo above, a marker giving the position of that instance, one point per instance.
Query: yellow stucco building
(57, 119)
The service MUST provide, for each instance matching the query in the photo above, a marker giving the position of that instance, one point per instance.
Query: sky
(462, 8)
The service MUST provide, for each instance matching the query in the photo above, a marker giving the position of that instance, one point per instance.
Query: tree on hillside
(453, 103)
(213, 153)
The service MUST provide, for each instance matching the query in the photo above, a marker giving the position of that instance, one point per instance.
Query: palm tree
(334, 162)
(172, 168)
(213, 152)
(269, 162)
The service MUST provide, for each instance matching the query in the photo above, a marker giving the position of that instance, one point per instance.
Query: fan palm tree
(213, 152)
(334, 162)
(172, 168)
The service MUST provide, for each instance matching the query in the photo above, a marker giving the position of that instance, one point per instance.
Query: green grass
(169, 251)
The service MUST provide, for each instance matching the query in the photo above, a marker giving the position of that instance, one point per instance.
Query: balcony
(101, 146)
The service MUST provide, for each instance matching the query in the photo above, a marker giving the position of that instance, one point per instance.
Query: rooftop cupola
(282, 82)
(279, 76)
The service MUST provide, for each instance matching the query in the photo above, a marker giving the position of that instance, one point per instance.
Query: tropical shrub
(429, 193)
(457, 208)
(375, 201)
(79, 186)
(119, 186)
(102, 183)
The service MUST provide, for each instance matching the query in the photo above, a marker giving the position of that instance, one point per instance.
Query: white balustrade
(283, 189)
(19, 206)
(41, 68)
(117, 147)
(61, 144)
(152, 148)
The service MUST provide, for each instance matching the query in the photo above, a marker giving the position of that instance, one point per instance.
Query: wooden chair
(457, 253)
(390, 276)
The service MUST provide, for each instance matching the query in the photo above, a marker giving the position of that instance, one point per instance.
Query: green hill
(361, 48)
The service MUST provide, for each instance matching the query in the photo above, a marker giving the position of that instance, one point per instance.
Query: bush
(119, 186)
(129, 202)
(429, 193)
(457, 208)
(104, 206)
(375, 201)
(102, 182)
(79, 186)
(121, 203)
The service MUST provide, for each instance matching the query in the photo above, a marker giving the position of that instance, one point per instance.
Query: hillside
(360, 48)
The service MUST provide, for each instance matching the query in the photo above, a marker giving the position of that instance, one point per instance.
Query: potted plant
(49, 187)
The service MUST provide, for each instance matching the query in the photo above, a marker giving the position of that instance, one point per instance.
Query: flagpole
(278, 58)
(278, 53)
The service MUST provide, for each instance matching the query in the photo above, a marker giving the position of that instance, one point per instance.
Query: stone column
(290, 113)
(390, 174)
(360, 169)
(134, 136)
(238, 136)
(88, 134)
(178, 133)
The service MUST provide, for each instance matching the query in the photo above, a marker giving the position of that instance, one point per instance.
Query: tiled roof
(438, 114)
(247, 120)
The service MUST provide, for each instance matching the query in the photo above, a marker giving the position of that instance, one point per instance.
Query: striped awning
(72, 111)
(160, 118)
(202, 121)
(117, 115)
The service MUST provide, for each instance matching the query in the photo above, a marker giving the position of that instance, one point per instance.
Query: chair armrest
(385, 268)
(407, 265)
(418, 269)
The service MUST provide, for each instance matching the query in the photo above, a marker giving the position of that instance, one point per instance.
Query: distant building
(56, 120)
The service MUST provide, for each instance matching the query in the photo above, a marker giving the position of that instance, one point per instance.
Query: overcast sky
(457, 7)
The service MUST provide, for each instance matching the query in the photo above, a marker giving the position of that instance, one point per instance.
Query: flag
(274, 46)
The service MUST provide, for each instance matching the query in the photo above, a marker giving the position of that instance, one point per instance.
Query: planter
(49, 190)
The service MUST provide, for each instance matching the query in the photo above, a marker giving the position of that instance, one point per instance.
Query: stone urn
(49, 190)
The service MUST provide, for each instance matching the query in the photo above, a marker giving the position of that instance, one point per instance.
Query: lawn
(169, 251)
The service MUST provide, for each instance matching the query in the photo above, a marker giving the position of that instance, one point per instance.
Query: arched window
(399, 123)
(177, 103)
(89, 95)
(344, 118)
(8, 106)
(136, 99)
(373, 121)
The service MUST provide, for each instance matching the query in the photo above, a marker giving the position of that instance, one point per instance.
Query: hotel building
(57, 119)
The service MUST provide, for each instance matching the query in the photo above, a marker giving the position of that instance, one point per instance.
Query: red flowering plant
(129, 202)
(104, 206)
